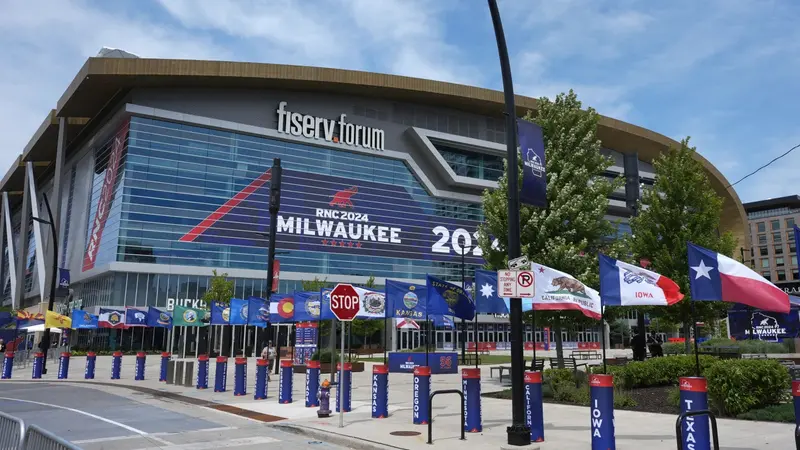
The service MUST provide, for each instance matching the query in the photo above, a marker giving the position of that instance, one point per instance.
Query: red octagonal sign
(345, 302)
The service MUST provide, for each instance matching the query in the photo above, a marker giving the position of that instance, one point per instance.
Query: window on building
(794, 260)
(790, 236)
(766, 276)
(775, 225)
(792, 247)
(776, 237)
(761, 227)
(796, 274)
(762, 239)
(790, 222)
(778, 249)
(779, 262)
(472, 164)
(763, 251)
(764, 263)
(781, 275)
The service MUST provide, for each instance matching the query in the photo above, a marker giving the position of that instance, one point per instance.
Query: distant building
(774, 251)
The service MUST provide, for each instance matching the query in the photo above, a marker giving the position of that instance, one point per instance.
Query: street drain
(405, 433)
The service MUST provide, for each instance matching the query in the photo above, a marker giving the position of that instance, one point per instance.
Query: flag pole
(696, 352)
(603, 333)
(475, 339)
(427, 335)
(533, 334)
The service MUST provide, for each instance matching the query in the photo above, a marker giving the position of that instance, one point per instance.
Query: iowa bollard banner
(422, 393)
(38, 364)
(202, 372)
(285, 392)
(116, 365)
(141, 357)
(8, 365)
(380, 391)
(162, 374)
(262, 366)
(534, 177)
(346, 385)
(240, 377)
(91, 362)
(63, 366)
(471, 385)
(602, 410)
(221, 374)
(534, 411)
(312, 384)
(694, 430)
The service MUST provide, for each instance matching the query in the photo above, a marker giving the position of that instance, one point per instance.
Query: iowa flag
(55, 320)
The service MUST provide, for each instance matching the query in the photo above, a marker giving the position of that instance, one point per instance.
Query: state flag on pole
(188, 317)
(111, 318)
(486, 299)
(556, 290)
(623, 284)
(158, 318)
(56, 320)
(716, 277)
(220, 314)
(448, 299)
(82, 320)
(257, 312)
(281, 308)
(135, 318)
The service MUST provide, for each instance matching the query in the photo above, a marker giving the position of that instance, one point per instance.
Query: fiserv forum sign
(329, 130)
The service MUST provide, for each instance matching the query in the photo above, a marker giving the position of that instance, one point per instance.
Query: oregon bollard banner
(694, 430)
(286, 374)
(91, 362)
(312, 384)
(601, 407)
(534, 176)
(422, 393)
(534, 411)
(380, 391)
(471, 385)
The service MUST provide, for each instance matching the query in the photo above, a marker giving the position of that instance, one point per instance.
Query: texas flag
(716, 277)
(623, 284)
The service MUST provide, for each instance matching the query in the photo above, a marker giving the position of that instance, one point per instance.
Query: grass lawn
(485, 359)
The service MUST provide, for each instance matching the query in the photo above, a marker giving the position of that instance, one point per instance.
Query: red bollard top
(202, 357)
(601, 380)
(240, 360)
(91, 354)
(693, 384)
(222, 359)
(165, 354)
(286, 363)
(380, 369)
(66, 354)
(313, 365)
(533, 377)
(141, 355)
(117, 353)
(470, 374)
(260, 362)
(9, 354)
(38, 355)
(423, 371)
(347, 366)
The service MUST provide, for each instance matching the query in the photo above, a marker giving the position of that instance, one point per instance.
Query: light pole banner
(534, 177)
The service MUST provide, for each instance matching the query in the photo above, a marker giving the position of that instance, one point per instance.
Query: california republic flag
(556, 290)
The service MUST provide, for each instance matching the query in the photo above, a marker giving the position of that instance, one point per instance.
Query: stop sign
(345, 302)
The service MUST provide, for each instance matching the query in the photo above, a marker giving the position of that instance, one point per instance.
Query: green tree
(365, 329)
(568, 234)
(220, 289)
(314, 285)
(681, 207)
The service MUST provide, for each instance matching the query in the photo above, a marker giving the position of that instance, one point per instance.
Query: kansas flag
(82, 320)
(239, 309)
(406, 300)
(220, 314)
(257, 312)
(135, 318)
(158, 318)
(448, 299)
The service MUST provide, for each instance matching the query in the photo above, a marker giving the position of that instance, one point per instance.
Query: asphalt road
(100, 417)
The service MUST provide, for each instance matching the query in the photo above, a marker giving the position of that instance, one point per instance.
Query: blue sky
(723, 72)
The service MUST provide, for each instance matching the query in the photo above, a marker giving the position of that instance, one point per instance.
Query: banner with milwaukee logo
(118, 143)
(340, 215)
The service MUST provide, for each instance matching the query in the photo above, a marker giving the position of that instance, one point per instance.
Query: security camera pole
(518, 433)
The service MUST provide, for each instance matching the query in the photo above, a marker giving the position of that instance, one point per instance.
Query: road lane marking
(210, 445)
(160, 433)
(93, 416)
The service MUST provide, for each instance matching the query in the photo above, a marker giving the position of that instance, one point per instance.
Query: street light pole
(464, 322)
(274, 207)
(518, 432)
(51, 222)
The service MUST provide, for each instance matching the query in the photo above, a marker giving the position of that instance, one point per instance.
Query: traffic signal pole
(518, 433)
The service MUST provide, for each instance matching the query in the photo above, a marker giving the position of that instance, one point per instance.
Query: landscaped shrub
(674, 348)
(324, 357)
(773, 413)
(751, 345)
(658, 371)
(736, 386)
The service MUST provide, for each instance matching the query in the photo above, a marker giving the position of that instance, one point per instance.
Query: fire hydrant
(324, 397)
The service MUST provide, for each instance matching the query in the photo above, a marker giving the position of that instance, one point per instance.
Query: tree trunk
(687, 329)
(559, 343)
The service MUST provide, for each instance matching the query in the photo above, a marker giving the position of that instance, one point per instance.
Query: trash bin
(188, 374)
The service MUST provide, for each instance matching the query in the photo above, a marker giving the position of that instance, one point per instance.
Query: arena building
(157, 172)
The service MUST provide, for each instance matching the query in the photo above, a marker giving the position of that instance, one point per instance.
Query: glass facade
(472, 164)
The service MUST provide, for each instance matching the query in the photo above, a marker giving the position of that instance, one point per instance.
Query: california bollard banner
(312, 384)
(286, 373)
(380, 391)
(601, 399)
(534, 177)
(534, 411)
(471, 386)
(694, 430)
(422, 392)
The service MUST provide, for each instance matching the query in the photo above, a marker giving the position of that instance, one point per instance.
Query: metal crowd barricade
(12, 431)
(39, 439)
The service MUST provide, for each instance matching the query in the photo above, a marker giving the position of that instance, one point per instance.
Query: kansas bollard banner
(262, 367)
(422, 393)
(141, 357)
(240, 377)
(694, 430)
(601, 407)
(346, 385)
(312, 384)
(63, 366)
(471, 385)
(286, 379)
(91, 362)
(380, 391)
(162, 374)
(8, 365)
(534, 410)
(442, 362)
(221, 374)
(202, 372)
(38, 364)
(116, 365)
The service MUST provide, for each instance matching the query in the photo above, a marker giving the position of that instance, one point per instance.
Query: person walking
(269, 354)
(639, 344)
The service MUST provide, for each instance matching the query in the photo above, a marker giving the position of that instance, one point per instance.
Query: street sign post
(519, 263)
(515, 283)
(345, 304)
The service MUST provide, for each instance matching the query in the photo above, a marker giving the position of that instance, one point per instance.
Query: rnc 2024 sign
(340, 215)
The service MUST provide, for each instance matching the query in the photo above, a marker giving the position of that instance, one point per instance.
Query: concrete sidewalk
(566, 427)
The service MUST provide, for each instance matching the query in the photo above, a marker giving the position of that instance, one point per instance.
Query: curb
(335, 438)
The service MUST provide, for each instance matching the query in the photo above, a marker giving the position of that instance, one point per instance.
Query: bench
(755, 356)
(469, 359)
(501, 369)
(569, 363)
(539, 367)
(585, 354)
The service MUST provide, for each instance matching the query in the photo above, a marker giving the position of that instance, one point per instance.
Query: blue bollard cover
(285, 393)
(796, 398)
(694, 430)
(221, 374)
(380, 391)
(8, 365)
(346, 385)
(262, 366)
(312, 384)
(141, 358)
(91, 362)
(601, 389)
(240, 377)
(63, 366)
(422, 393)
(162, 376)
(471, 386)
(38, 365)
(116, 365)
(202, 372)
(534, 411)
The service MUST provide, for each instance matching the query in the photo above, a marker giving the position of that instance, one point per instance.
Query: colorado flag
(716, 277)
(623, 284)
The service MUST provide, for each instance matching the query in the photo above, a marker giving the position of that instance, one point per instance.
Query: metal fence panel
(39, 439)
(11, 432)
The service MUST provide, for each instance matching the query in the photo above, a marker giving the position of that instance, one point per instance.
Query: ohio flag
(623, 284)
